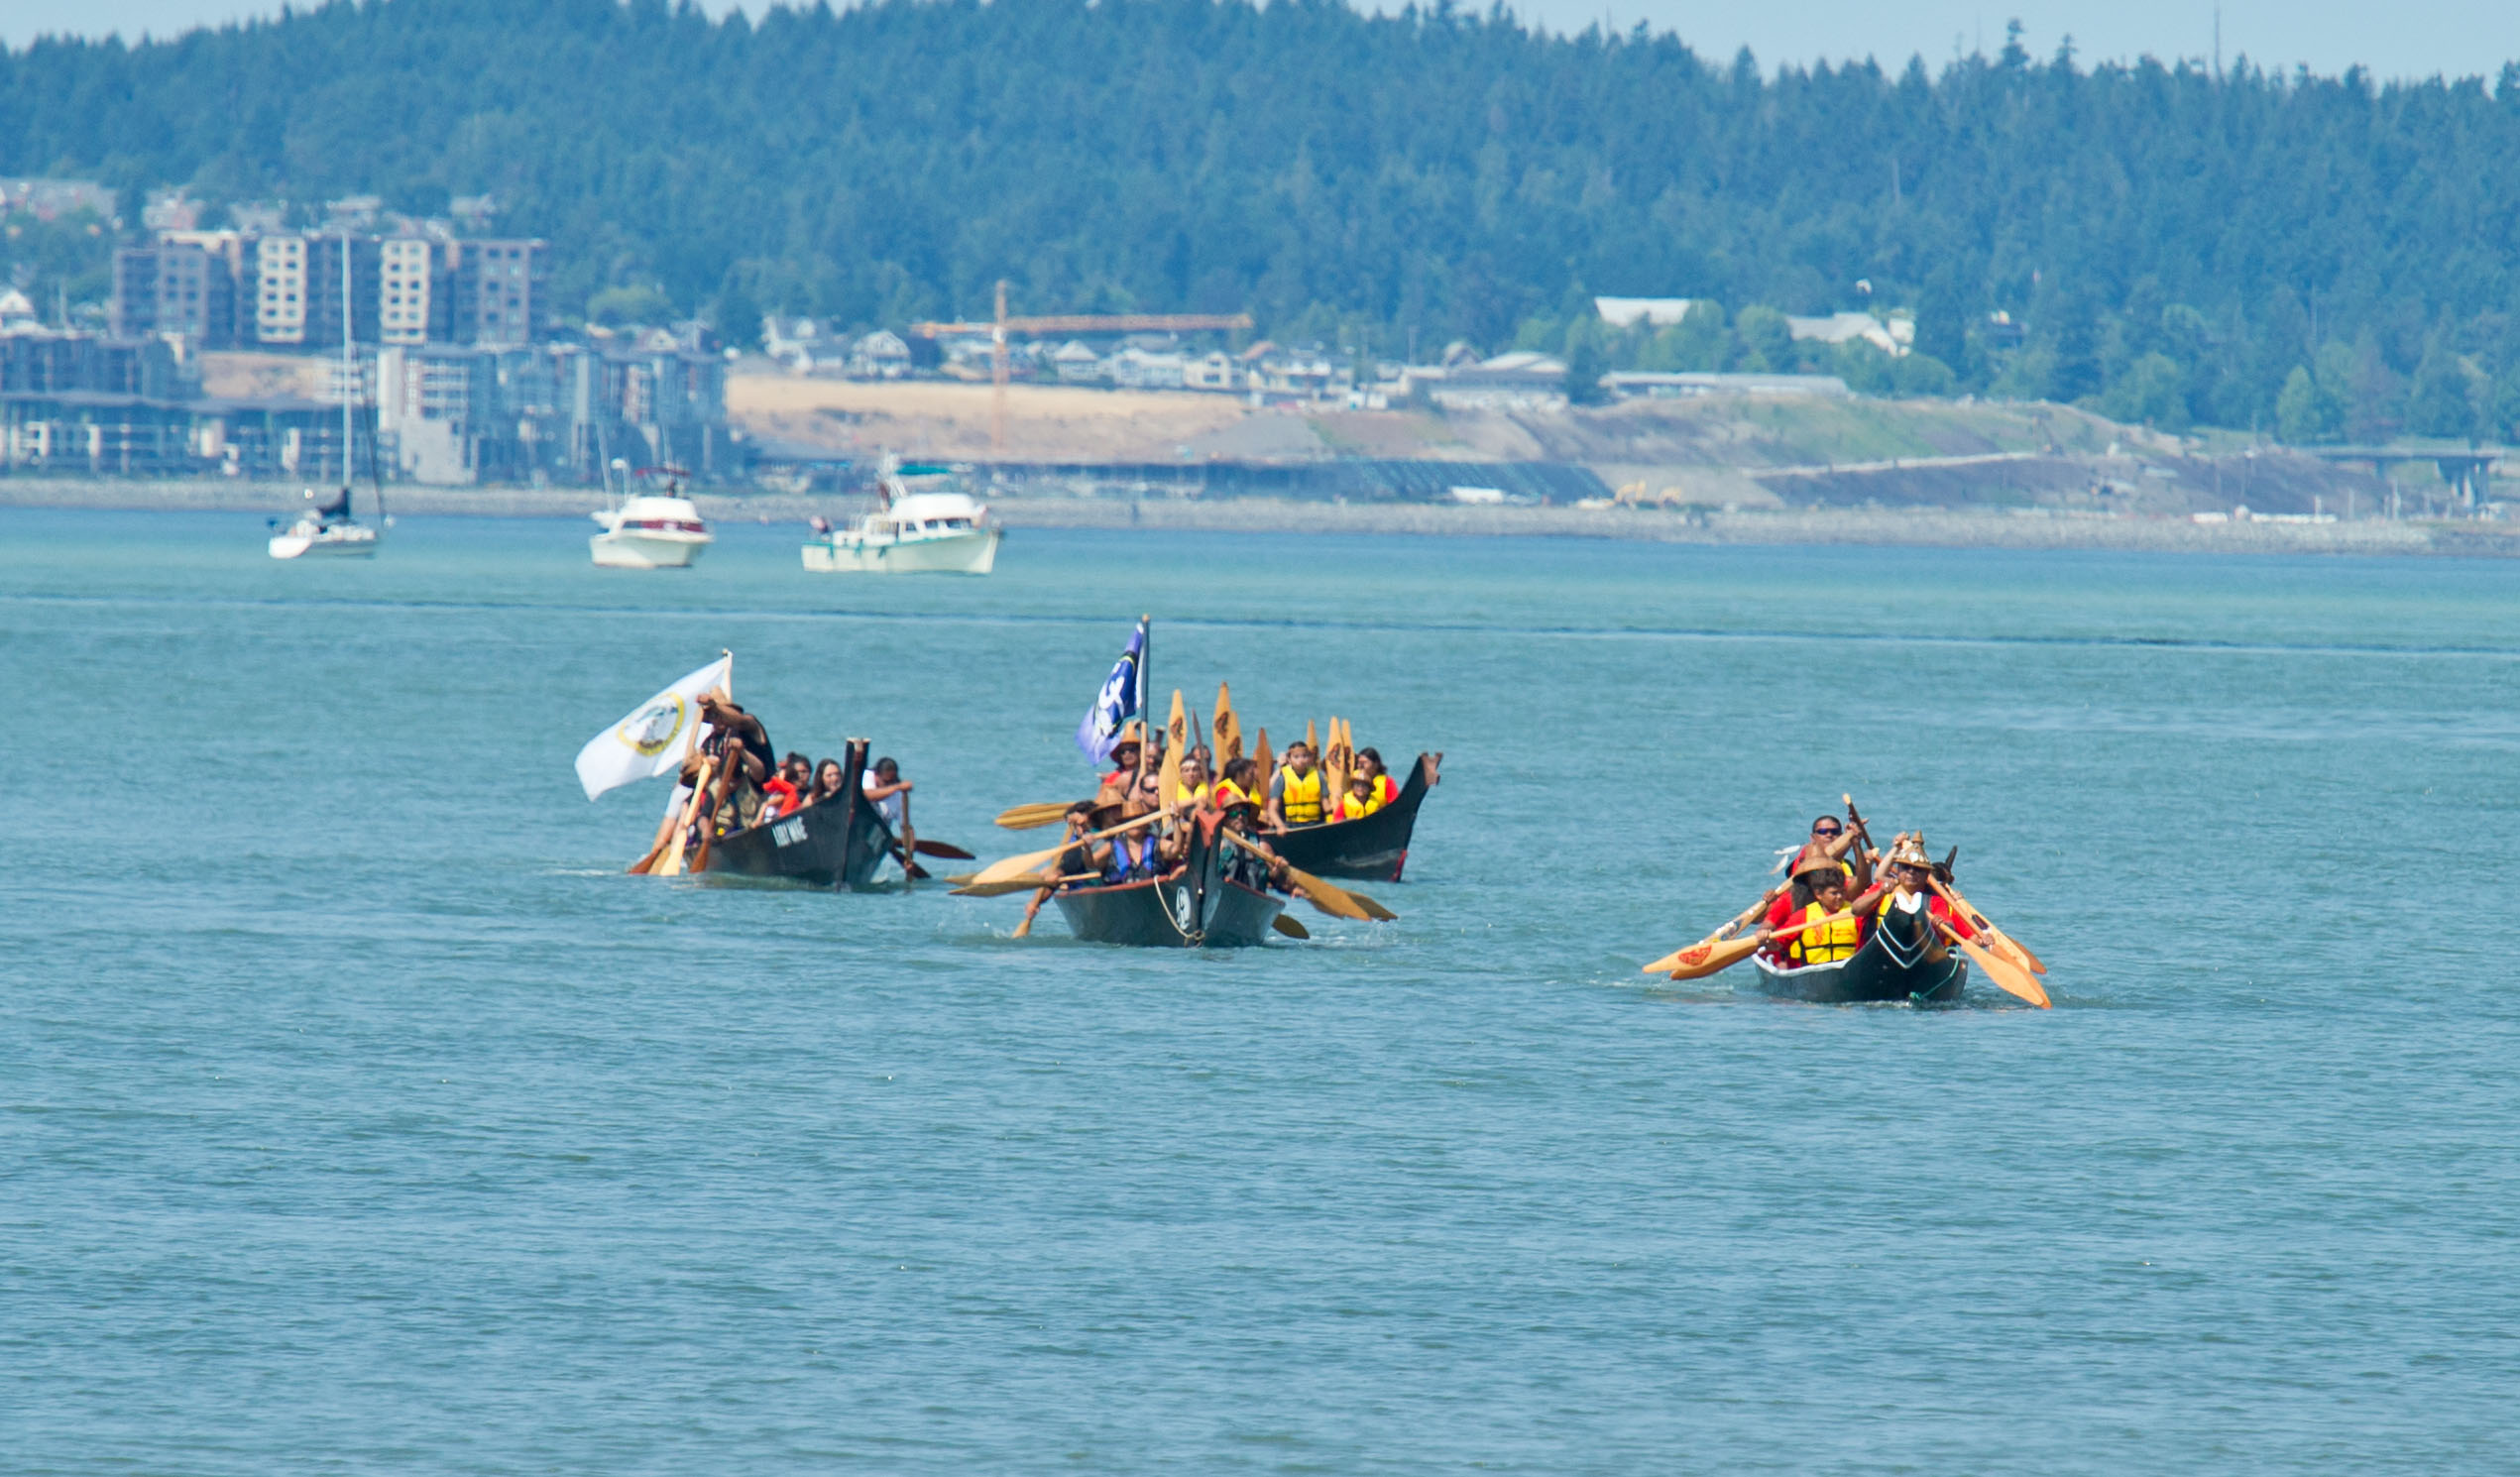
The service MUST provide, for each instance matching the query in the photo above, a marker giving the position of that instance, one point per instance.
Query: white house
(880, 355)
(1654, 312)
(1893, 337)
(1074, 364)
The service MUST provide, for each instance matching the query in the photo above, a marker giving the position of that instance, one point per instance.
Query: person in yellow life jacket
(1361, 800)
(1295, 792)
(1243, 779)
(1830, 937)
(1195, 785)
(1386, 789)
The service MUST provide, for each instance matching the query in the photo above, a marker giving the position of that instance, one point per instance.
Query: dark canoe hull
(1213, 900)
(837, 843)
(1896, 964)
(1370, 847)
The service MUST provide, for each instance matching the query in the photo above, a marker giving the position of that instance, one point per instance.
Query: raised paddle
(1034, 862)
(2008, 976)
(1034, 817)
(1289, 927)
(2012, 946)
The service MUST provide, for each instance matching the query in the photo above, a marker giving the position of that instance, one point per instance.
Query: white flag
(658, 736)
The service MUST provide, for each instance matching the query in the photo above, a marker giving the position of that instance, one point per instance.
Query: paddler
(1909, 886)
(1295, 792)
(1386, 790)
(1829, 937)
(1240, 785)
(1361, 799)
(1124, 757)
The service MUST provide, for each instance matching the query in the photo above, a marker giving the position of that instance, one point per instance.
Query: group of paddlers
(1839, 889)
(734, 780)
(1164, 786)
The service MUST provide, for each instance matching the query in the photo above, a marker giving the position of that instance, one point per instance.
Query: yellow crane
(1065, 324)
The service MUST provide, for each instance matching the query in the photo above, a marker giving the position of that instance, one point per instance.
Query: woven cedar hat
(1815, 861)
(1911, 853)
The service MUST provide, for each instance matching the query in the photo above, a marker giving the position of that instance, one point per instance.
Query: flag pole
(1145, 722)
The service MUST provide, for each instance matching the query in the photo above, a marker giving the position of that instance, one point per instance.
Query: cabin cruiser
(910, 531)
(651, 533)
(326, 531)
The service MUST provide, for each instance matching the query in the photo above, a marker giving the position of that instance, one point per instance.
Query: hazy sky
(2407, 38)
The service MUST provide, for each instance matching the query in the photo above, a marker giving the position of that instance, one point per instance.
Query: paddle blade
(1228, 730)
(640, 868)
(1709, 956)
(1034, 817)
(2008, 976)
(1016, 866)
(1289, 927)
(1032, 882)
(1267, 761)
(926, 847)
(1176, 744)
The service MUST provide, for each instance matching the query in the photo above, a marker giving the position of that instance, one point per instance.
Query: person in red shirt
(1836, 927)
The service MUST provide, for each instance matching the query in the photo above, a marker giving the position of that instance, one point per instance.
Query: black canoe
(835, 843)
(1900, 962)
(1217, 898)
(1370, 847)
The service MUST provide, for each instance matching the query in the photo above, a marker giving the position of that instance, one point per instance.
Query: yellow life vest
(1229, 794)
(1826, 943)
(1351, 809)
(1299, 796)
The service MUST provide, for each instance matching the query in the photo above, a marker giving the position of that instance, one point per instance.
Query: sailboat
(327, 529)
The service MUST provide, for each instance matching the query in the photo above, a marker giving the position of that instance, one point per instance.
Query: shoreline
(1989, 529)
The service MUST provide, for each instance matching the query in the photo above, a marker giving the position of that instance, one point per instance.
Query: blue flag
(1122, 698)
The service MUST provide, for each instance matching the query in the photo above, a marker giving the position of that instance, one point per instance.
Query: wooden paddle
(1289, 927)
(1334, 763)
(671, 867)
(926, 847)
(1267, 763)
(1176, 744)
(1034, 817)
(1673, 961)
(2012, 948)
(2008, 976)
(1031, 862)
(1031, 883)
(1338, 902)
(1720, 954)
(1228, 730)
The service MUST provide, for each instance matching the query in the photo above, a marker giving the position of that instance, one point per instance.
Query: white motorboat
(651, 533)
(910, 533)
(326, 532)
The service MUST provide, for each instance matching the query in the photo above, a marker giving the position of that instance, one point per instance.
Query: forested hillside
(2325, 253)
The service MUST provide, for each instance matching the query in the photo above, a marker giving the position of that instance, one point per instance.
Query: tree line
(2323, 257)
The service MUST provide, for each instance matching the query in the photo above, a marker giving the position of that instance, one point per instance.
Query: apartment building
(502, 296)
(283, 288)
(279, 290)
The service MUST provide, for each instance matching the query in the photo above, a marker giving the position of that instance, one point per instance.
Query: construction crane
(1065, 324)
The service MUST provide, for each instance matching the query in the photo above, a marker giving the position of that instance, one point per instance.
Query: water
(357, 1115)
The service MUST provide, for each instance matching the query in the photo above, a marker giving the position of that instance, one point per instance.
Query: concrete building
(279, 290)
(177, 287)
(408, 278)
(501, 292)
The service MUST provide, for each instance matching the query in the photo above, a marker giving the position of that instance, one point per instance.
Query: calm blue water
(357, 1115)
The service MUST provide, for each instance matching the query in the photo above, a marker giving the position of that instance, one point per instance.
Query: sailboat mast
(349, 369)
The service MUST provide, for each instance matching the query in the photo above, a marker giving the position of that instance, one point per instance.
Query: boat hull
(629, 550)
(1370, 847)
(332, 543)
(1215, 899)
(837, 843)
(1899, 961)
(954, 553)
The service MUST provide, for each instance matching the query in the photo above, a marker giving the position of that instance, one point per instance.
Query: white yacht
(328, 531)
(910, 531)
(650, 531)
